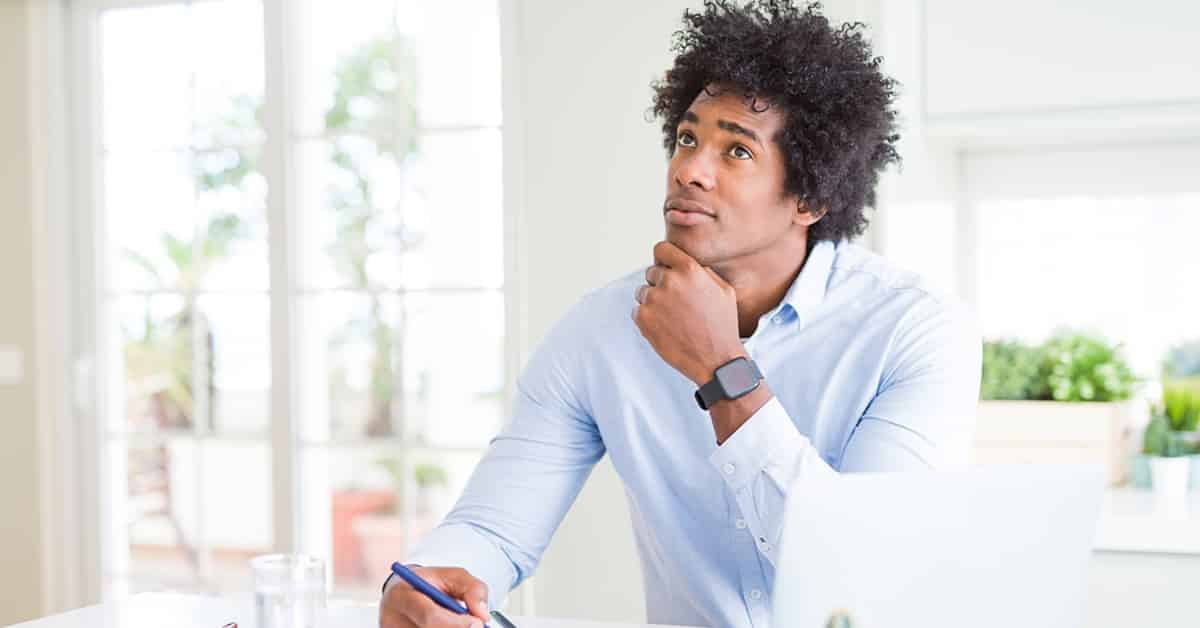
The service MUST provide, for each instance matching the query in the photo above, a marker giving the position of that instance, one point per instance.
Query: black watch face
(737, 377)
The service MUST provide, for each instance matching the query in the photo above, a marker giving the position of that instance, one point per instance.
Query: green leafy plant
(373, 118)
(1181, 408)
(1068, 367)
(161, 358)
(426, 475)
(1082, 367)
(1010, 370)
(429, 475)
(1163, 442)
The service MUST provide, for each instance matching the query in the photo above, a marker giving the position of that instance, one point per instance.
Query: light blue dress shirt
(870, 369)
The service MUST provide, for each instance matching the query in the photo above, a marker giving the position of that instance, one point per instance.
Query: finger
(461, 585)
(477, 604)
(640, 294)
(415, 609)
(405, 607)
(720, 281)
(655, 274)
(423, 612)
(671, 256)
(390, 618)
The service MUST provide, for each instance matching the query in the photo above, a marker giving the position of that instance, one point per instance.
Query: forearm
(730, 414)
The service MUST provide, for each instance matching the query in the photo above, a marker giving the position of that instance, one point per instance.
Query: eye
(741, 152)
(685, 139)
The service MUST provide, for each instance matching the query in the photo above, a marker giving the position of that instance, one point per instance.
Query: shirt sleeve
(528, 479)
(922, 417)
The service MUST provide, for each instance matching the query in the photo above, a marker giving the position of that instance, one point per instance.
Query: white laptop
(992, 547)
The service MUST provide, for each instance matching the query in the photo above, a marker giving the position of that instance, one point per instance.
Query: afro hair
(840, 123)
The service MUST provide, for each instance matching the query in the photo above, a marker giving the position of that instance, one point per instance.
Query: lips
(688, 206)
(684, 212)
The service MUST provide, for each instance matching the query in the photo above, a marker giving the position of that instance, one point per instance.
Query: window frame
(86, 441)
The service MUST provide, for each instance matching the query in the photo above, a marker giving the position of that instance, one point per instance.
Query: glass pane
(351, 189)
(454, 212)
(235, 501)
(159, 511)
(453, 365)
(231, 203)
(155, 355)
(145, 79)
(384, 68)
(194, 513)
(235, 350)
(229, 77)
(354, 68)
(349, 368)
(1100, 264)
(381, 500)
(458, 60)
(149, 210)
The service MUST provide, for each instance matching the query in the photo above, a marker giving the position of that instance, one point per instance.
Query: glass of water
(289, 590)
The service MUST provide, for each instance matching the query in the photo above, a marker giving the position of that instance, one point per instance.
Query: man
(777, 125)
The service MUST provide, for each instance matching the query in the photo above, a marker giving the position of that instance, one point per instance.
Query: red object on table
(348, 506)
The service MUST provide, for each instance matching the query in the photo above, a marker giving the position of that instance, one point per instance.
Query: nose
(694, 168)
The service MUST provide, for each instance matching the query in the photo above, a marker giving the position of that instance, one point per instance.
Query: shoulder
(904, 301)
(858, 269)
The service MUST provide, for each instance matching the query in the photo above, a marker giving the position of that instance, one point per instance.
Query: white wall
(20, 519)
(1029, 55)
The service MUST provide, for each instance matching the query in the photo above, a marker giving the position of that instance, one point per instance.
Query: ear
(806, 216)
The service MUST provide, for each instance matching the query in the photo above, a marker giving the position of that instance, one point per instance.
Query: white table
(1136, 521)
(161, 610)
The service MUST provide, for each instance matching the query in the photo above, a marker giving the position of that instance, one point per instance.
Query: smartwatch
(735, 378)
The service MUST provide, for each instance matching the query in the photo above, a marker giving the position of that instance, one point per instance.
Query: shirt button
(755, 594)
(728, 468)
(777, 319)
(764, 545)
(740, 523)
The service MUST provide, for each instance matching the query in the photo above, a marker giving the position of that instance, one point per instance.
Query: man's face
(725, 181)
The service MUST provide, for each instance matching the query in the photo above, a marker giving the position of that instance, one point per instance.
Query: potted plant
(1167, 453)
(1171, 443)
(1066, 400)
(1181, 368)
(431, 481)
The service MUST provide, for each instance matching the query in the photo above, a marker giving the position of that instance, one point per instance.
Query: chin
(693, 243)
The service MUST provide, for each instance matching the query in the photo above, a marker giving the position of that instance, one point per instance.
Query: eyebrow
(732, 127)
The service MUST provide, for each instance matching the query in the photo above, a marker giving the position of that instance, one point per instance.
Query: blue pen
(430, 591)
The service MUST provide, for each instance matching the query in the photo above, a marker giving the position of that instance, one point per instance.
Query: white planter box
(1051, 432)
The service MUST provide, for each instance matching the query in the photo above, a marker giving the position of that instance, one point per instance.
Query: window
(299, 282)
(1098, 237)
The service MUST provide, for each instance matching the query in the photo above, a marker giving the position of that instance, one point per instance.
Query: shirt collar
(808, 290)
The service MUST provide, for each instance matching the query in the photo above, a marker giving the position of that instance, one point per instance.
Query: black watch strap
(709, 394)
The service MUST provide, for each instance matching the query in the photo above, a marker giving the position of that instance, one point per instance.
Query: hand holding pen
(427, 597)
